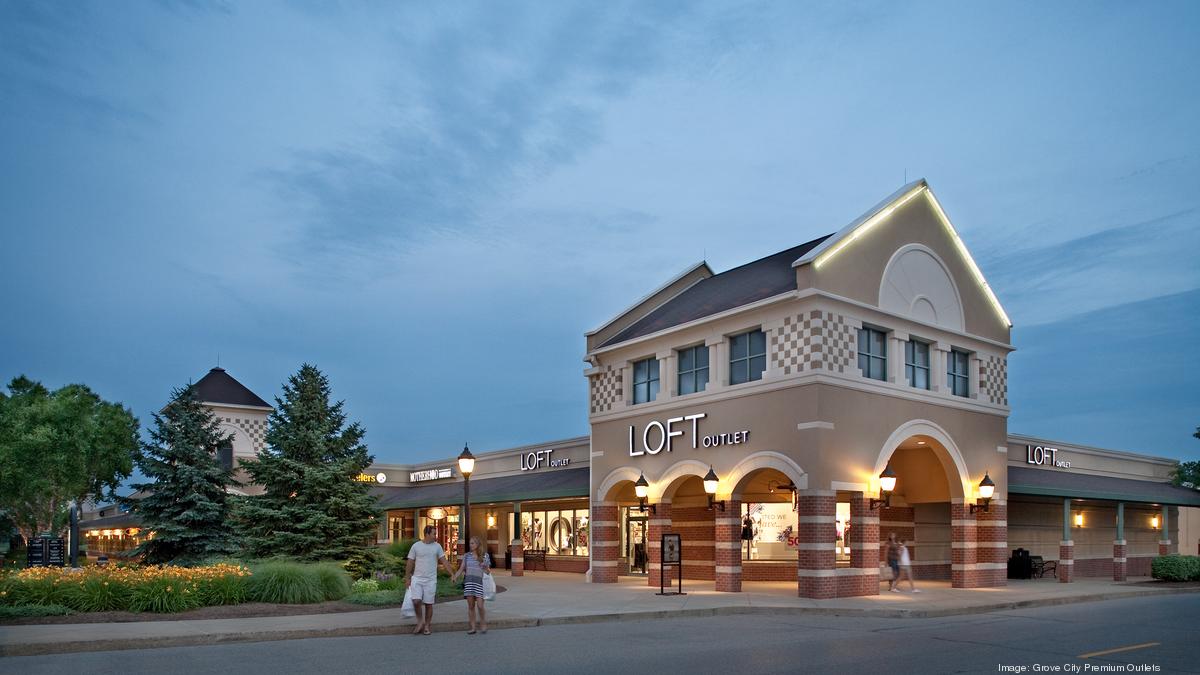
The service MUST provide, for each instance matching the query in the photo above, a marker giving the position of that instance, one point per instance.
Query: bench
(1042, 566)
(533, 556)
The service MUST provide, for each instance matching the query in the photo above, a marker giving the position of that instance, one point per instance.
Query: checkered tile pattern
(254, 427)
(606, 389)
(993, 379)
(813, 341)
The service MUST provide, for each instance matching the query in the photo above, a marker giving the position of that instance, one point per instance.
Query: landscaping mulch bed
(243, 611)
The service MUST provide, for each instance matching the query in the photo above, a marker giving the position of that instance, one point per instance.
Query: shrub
(377, 598)
(26, 611)
(1176, 568)
(285, 582)
(365, 586)
(391, 584)
(333, 579)
(223, 589)
(364, 563)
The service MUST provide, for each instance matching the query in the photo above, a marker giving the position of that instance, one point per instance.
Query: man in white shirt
(421, 577)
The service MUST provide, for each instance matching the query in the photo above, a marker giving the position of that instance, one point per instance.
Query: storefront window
(558, 532)
(768, 531)
(842, 524)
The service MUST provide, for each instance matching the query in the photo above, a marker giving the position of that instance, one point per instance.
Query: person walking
(473, 566)
(906, 567)
(420, 574)
(893, 561)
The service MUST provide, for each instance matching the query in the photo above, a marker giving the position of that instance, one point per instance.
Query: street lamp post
(466, 464)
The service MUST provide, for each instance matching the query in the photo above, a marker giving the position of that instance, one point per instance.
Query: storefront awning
(1047, 482)
(519, 488)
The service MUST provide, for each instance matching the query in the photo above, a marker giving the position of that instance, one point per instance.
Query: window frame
(871, 357)
(746, 361)
(694, 372)
(652, 378)
(911, 366)
(954, 377)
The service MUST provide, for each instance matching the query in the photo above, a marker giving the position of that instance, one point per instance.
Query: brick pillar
(1164, 544)
(963, 542)
(658, 524)
(1119, 560)
(815, 573)
(1066, 561)
(518, 558)
(1164, 547)
(728, 548)
(991, 545)
(864, 548)
(605, 542)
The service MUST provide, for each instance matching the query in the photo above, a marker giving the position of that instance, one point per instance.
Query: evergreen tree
(313, 508)
(186, 506)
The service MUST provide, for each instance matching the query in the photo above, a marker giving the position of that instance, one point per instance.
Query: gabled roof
(739, 286)
(702, 265)
(219, 387)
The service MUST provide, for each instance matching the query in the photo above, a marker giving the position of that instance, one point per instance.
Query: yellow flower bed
(162, 588)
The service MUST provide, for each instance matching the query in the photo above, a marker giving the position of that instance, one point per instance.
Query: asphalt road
(1155, 634)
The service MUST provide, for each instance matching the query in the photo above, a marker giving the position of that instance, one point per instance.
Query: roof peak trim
(651, 294)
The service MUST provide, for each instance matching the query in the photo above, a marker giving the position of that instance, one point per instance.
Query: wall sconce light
(641, 488)
(1079, 519)
(710, 488)
(887, 483)
(986, 489)
(1154, 522)
(491, 520)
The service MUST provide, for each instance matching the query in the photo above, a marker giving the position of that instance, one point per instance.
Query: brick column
(991, 545)
(1164, 544)
(1066, 561)
(728, 548)
(518, 558)
(1120, 564)
(815, 573)
(864, 548)
(964, 572)
(658, 524)
(605, 544)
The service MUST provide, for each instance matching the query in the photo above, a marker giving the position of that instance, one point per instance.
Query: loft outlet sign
(536, 460)
(1042, 455)
(658, 436)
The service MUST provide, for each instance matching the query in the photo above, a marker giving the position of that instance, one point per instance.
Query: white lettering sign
(428, 474)
(534, 460)
(656, 436)
(1044, 456)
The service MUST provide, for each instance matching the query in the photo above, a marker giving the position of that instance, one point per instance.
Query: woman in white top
(906, 568)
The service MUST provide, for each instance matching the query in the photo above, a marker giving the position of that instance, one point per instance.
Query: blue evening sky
(434, 201)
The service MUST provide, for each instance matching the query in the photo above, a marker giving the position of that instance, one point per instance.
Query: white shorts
(424, 590)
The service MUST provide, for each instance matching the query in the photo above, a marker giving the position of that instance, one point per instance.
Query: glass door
(635, 541)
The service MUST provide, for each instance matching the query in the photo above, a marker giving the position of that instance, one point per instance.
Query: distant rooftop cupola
(219, 388)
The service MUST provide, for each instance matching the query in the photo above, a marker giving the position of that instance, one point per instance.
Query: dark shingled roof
(1042, 481)
(522, 487)
(219, 387)
(739, 286)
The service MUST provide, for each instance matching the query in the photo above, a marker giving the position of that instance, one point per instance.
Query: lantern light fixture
(987, 488)
(887, 483)
(1079, 519)
(711, 482)
(642, 489)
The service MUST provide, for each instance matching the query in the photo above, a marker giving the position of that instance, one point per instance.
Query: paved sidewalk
(544, 598)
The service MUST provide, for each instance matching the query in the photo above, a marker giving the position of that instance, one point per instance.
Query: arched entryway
(929, 510)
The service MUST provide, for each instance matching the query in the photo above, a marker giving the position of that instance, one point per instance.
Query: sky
(433, 202)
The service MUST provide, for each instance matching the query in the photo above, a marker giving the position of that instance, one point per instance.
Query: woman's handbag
(489, 587)
(406, 606)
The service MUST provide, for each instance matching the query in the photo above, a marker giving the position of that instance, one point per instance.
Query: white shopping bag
(489, 587)
(406, 607)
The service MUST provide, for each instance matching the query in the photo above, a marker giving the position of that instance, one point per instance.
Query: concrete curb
(529, 622)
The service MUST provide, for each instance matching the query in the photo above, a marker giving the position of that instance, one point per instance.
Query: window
(958, 378)
(768, 531)
(916, 363)
(747, 356)
(225, 456)
(693, 369)
(645, 380)
(562, 532)
(872, 353)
